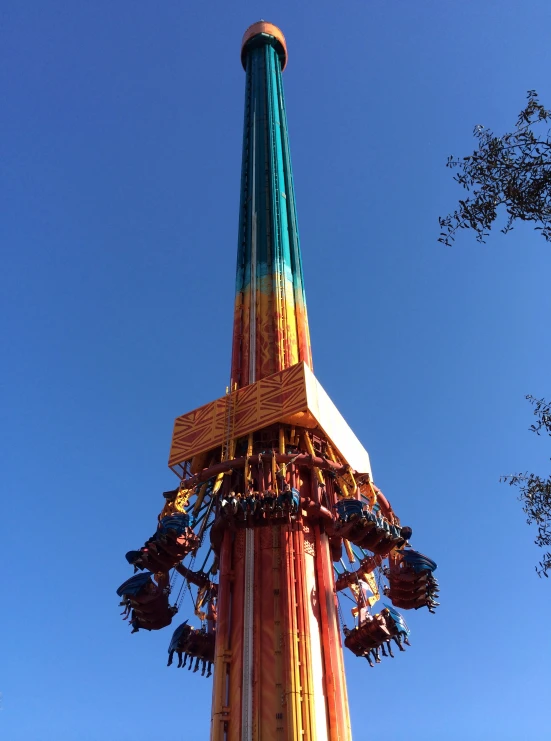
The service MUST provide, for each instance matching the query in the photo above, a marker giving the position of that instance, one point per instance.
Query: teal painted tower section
(270, 321)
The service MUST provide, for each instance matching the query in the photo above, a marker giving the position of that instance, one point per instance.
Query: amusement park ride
(276, 517)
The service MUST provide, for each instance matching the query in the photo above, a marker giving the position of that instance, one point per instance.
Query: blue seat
(178, 523)
(418, 561)
(348, 507)
(180, 630)
(401, 625)
(291, 496)
(135, 584)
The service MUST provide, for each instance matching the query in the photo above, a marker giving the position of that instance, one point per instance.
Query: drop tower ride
(285, 675)
(275, 490)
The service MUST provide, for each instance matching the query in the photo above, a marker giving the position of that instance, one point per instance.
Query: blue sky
(120, 159)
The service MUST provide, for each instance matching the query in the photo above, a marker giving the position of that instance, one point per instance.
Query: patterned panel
(293, 396)
(258, 405)
(309, 540)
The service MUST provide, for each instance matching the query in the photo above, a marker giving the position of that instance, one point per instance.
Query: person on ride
(212, 616)
(241, 503)
(190, 648)
(286, 499)
(269, 500)
(340, 512)
(177, 639)
(136, 559)
(250, 501)
(134, 622)
(367, 515)
(229, 505)
(152, 557)
(397, 629)
(364, 616)
(203, 649)
(199, 650)
(368, 657)
(296, 499)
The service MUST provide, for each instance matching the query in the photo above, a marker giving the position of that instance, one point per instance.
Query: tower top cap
(261, 33)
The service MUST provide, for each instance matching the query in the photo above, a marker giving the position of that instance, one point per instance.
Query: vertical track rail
(248, 646)
(221, 708)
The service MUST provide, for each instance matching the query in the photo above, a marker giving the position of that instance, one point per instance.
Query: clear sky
(120, 158)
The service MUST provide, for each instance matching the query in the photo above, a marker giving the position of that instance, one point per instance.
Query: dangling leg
(170, 656)
(406, 640)
(388, 645)
(134, 623)
(203, 667)
(376, 655)
(369, 660)
(196, 665)
(383, 649)
(210, 669)
(398, 642)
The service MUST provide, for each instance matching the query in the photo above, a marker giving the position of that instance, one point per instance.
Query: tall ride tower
(279, 670)
(275, 498)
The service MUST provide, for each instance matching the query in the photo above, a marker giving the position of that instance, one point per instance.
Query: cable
(339, 610)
